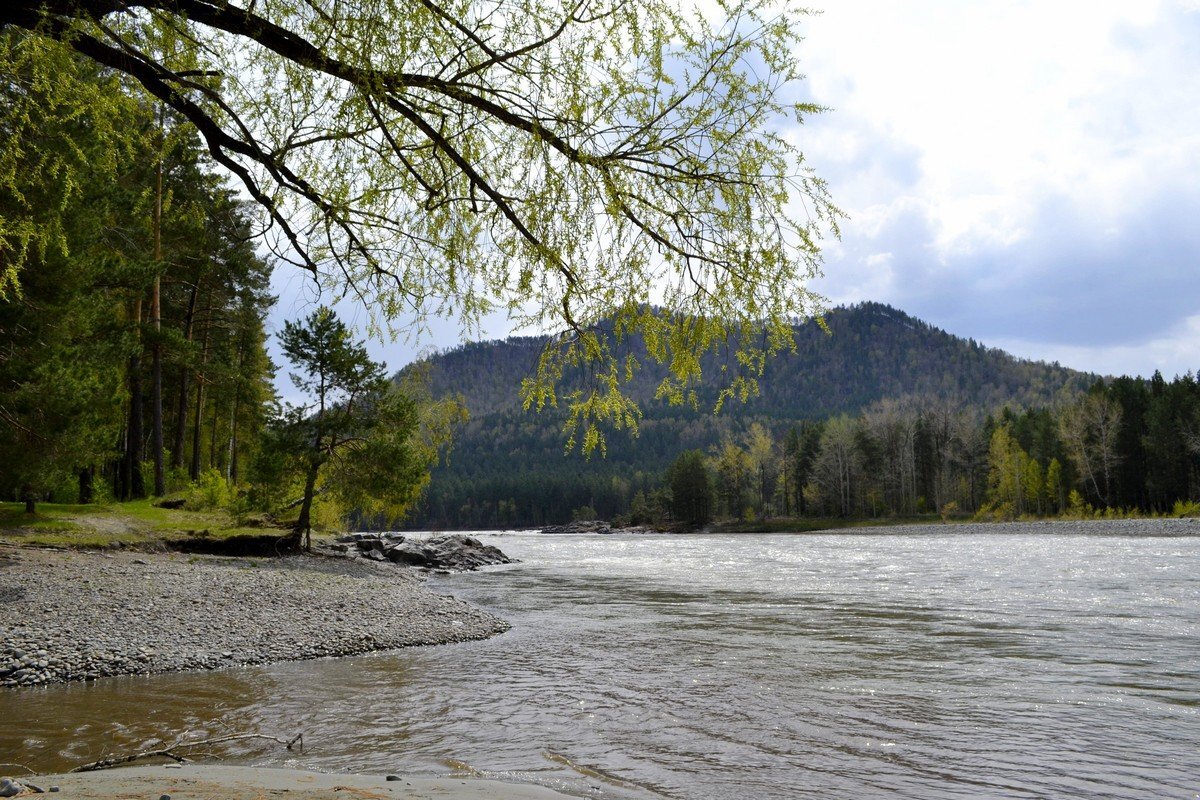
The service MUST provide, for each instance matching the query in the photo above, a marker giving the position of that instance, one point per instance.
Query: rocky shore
(82, 615)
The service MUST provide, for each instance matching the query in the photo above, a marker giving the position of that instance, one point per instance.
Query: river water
(917, 663)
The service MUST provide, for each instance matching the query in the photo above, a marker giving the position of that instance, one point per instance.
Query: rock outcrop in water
(454, 552)
(595, 526)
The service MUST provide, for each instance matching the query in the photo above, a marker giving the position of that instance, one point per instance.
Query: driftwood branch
(13, 764)
(170, 751)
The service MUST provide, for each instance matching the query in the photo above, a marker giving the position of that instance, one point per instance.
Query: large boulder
(580, 526)
(460, 553)
(455, 552)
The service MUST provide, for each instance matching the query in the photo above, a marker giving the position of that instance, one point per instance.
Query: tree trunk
(304, 522)
(30, 498)
(199, 416)
(213, 461)
(181, 412)
(135, 487)
(231, 467)
(86, 492)
(156, 405)
(160, 482)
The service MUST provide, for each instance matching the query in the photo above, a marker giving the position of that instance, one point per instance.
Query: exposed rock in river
(594, 526)
(455, 552)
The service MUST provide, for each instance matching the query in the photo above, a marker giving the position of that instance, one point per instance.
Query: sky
(1026, 174)
(1023, 173)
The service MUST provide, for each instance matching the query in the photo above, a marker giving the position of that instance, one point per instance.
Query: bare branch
(171, 750)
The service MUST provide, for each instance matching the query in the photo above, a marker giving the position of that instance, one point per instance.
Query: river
(913, 663)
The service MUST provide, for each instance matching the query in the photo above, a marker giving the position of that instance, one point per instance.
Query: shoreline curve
(84, 615)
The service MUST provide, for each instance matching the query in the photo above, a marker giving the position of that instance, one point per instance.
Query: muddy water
(1022, 664)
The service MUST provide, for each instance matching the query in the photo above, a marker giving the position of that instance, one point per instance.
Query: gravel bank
(1058, 527)
(68, 616)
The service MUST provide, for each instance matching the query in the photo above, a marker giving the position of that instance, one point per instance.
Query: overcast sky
(1023, 173)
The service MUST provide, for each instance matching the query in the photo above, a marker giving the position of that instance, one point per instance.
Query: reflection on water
(929, 665)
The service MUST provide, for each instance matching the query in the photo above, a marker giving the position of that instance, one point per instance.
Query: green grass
(48, 518)
(137, 524)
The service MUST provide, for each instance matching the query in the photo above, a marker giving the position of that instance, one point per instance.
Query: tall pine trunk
(231, 466)
(199, 415)
(135, 486)
(214, 461)
(156, 405)
(181, 411)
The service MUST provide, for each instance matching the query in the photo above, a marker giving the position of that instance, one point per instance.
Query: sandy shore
(198, 782)
(67, 616)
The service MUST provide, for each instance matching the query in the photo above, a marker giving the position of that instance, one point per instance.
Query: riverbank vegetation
(158, 160)
(1123, 447)
(134, 359)
(137, 524)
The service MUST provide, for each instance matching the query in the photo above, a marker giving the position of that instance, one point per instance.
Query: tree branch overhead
(570, 163)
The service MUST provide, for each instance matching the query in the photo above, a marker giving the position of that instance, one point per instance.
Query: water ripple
(706, 667)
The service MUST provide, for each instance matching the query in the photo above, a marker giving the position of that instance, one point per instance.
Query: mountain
(509, 466)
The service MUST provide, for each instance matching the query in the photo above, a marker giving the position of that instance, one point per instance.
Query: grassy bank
(137, 524)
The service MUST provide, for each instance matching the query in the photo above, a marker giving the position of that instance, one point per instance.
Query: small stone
(55, 789)
(392, 778)
(164, 797)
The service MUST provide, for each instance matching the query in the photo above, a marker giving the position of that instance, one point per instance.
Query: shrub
(211, 491)
(1185, 508)
(583, 514)
(1077, 508)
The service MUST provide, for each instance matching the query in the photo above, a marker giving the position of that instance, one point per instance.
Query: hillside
(872, 352)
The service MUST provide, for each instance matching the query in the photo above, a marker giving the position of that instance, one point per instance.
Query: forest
(136, 331)
(895, 419)
(134, 356)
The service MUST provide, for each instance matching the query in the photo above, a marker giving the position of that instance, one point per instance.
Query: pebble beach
(84, 615)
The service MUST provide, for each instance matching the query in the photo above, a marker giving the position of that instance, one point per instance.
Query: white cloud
(1029, 166)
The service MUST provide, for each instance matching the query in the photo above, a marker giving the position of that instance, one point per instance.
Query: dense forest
(883, 415)
(133, 358)
(135, 333)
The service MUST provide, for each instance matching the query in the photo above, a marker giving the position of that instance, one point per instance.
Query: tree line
(1125, 446)
(133, 342)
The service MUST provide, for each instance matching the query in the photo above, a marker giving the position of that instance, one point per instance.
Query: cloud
(1173, 353)
(1019, 172)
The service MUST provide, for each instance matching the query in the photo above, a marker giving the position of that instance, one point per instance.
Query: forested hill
(872, 352)
(508, 466)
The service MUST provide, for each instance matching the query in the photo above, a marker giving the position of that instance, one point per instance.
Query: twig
(169, 750)
(22, 766)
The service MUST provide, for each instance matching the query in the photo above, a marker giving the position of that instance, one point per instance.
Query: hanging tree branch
(567, 163)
